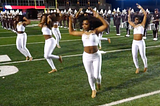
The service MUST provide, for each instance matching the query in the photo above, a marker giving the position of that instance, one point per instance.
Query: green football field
(33, 86)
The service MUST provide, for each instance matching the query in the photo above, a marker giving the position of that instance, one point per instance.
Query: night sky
(150, 4)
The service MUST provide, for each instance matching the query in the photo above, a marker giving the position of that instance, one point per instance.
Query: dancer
(138, 42)
(56, 17)
(91, 56)
(50, 42)
(20, 23)
(102, 38)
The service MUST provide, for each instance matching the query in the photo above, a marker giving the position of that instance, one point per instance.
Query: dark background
(125, 4)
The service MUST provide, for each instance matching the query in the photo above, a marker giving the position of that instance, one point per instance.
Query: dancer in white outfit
(138, 42)
(50, 42)
(21, 40)
(56, 18)
(102, 38)
(91, 56)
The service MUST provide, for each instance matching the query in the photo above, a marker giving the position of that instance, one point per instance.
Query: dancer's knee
(46, 56)
(19, 48)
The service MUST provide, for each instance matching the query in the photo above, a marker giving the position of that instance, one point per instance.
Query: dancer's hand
(129, 11)
(80, 9)
(58, 11)
(95, 14)
(138, 6)
(70, 17)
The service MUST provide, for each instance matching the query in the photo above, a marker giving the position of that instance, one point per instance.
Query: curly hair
(45, 20)
(55, 17)
(140, 18)
(45, 16)
(20, 17)
(94, 22)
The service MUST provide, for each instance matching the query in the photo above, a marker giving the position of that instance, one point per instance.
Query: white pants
(57, 34)
(139, 45)
(49, 46)
(21, 44)
(92, 64)
(101, 38)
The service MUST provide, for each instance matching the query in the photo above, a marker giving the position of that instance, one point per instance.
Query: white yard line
(131, 98)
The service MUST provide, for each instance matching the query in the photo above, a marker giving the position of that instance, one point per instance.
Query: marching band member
(127, 25)
(109, 15)
(156, 17)
(118, 21)
(114, 15)
(62, 18)
(147, 23)
(65, 18)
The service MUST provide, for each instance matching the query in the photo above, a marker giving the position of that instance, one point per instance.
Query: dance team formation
(92, 25)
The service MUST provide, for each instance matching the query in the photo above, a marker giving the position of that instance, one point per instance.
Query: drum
(123, 25)
(152, 26)
(149, 27)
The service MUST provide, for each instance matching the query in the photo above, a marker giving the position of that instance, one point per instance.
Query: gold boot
(60, 59)
(98, 86)
(145, 69)
(58, 46)
(137, 71)
(109, 40)
(31, 58)
(52, 71)
(93, 93)
(27, 58)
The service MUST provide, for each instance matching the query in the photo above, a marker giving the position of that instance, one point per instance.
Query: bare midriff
(137, 36)
(20, 32)
(47, 36)
(90, 49)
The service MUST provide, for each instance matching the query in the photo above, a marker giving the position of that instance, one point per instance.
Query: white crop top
(139, 30)
(90, 40)
(20, 27)
(46, 31)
